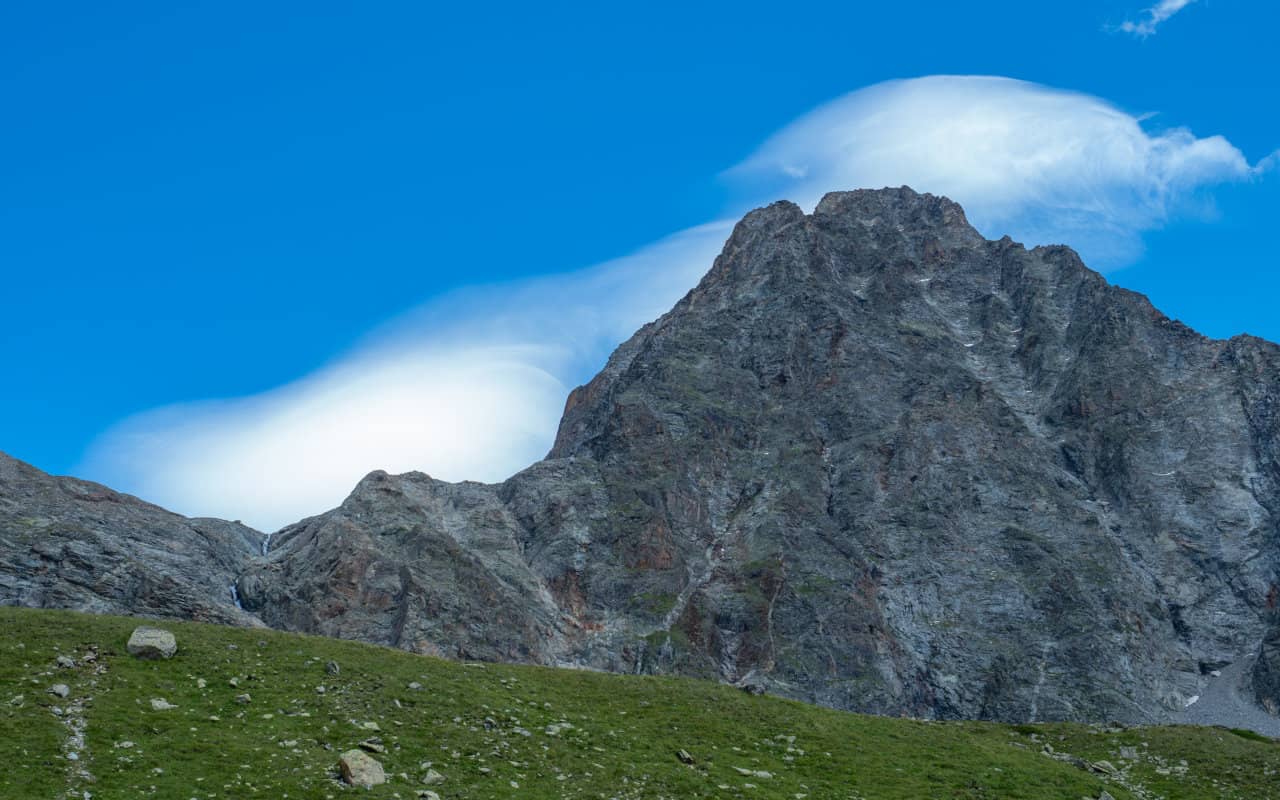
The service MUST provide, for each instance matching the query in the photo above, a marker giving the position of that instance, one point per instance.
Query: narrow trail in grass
(82, 681)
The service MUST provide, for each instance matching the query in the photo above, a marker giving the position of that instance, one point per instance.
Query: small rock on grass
(160, 704)
(684, 757)
(432, 777)
(60, 689)
(360, 769)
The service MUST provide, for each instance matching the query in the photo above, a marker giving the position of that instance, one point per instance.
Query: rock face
(68, 543)
(152, 643)
(872, 460)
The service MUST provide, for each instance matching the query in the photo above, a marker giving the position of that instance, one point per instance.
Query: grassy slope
(622, 744)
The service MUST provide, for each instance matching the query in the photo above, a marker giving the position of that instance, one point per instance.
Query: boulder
(360, 769)
(152, 643)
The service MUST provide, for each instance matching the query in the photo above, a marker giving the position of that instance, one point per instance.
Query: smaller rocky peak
(903, 209)
(762, 223)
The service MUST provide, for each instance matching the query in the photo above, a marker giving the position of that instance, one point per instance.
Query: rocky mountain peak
(872, 460)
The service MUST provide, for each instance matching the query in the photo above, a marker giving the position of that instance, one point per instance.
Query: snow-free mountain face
(874, 461)
(68, 543)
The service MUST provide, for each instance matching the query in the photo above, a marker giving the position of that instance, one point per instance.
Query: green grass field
(521, 732)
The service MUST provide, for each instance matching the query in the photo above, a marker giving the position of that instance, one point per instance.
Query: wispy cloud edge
(1153, 17)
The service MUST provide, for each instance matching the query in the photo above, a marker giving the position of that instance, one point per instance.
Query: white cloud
(1152, 17)
(1043, 165)
(471, 386)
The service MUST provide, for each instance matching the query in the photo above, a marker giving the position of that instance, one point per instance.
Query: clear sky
(225, 216)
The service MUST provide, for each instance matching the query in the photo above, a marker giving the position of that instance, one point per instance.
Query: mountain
(68, 543)
(874, 461)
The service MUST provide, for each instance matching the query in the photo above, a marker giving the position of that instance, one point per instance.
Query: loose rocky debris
(152, 643)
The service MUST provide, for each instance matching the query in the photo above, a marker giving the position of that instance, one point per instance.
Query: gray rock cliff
(872, 460)
(68, 543)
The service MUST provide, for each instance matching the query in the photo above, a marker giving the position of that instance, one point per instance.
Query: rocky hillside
(872, 460)
(68, 543)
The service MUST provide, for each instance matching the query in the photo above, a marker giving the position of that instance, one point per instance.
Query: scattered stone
(1129, 753)
(684, 757)
(415, 685)
(373, 745)
(752, 684)
(361, 769)
(152, 643)
(66, 662)
(370, 726)
(753, 773)
(1104, 767)
(556, 728)
(332, 668)
(432, 778)
(234, 682)
(201, 683)
(17, 700)
(244, 699)
(60, 689)
(427, 794)
(160, 704)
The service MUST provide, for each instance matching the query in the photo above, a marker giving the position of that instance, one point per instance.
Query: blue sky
(205, 202)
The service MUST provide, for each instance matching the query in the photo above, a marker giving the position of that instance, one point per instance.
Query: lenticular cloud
(468, 387)
(1041, 164)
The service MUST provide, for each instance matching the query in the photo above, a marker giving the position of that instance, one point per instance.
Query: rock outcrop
(68, 543)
